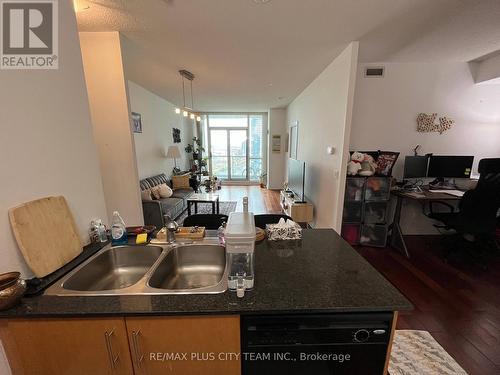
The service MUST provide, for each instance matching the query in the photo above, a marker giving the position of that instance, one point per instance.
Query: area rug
(206, 208)
(418, 353)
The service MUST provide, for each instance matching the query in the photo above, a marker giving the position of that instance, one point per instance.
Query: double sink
(197, 268)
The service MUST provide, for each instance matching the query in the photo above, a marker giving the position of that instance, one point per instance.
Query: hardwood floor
(260, 201)
(459, 304)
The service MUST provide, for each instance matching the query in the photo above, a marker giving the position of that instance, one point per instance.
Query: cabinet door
(208, 345)
(66, 346)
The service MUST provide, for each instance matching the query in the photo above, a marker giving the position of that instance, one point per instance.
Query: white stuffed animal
(354, 164)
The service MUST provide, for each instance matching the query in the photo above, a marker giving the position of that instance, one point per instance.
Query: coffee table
(203, 198)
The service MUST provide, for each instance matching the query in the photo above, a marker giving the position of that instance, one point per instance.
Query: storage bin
(354, 189)
(374, 235)
(350, 233)
(352, 212)
(375, 212)
(377, 189)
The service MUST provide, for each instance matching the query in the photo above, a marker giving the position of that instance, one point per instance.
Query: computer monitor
(450, 166)
(416, 166)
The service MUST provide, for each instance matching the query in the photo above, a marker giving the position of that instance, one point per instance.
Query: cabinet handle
(139, 357)
(113, 359)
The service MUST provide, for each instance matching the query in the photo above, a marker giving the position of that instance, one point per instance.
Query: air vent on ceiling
(376, 72)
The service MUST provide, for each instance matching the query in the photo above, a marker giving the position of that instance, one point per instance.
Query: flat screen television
(296, 178)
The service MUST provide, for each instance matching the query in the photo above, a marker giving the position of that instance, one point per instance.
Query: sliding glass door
(235, 144)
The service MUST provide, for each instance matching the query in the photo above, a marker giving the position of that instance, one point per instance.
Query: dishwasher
(354, 343)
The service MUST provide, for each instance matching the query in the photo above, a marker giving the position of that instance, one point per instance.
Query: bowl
(12, 288)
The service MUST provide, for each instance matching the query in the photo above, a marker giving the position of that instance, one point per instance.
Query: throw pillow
(146, 195)
(155, 192)
(180, 182)
(165, 191)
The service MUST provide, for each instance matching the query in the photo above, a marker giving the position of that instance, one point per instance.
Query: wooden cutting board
(46, 234)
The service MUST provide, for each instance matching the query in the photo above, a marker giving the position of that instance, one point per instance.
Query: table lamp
(173, 153)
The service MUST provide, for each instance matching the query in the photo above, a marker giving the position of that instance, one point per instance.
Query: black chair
(209, 221)
(476, 219)
(262, 220)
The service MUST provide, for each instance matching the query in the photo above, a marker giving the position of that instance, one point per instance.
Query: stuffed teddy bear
(368, 166)
(354, 164)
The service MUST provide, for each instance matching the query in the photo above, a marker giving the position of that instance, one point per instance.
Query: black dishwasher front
(315, 344)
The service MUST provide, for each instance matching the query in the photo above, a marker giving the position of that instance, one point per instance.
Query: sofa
(155, 211)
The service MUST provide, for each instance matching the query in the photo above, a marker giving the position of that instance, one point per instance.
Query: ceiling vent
(375, 72)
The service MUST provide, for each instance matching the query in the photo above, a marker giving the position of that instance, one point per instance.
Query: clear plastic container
(241, 272)
(377, 189)
(240, 244)
(354, 189)
(375, 212)
(352, 212)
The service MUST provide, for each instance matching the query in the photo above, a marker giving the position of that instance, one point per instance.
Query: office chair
(262, 220)
(476, 220)
(209, 221)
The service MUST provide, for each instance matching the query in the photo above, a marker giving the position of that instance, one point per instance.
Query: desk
(397, 240)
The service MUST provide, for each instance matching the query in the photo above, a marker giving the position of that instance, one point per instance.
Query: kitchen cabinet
(148, 345)
(183, 345)
(66, 346)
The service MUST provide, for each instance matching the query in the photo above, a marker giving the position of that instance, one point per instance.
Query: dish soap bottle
(118, 230)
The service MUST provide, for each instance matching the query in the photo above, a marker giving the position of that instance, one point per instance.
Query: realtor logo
(29, 37)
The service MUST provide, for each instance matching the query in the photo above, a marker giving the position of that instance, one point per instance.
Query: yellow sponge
(141, 238)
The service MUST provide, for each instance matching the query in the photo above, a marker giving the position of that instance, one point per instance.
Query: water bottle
(101, 229)
(118, 230)
(94, 232)
(220, 234)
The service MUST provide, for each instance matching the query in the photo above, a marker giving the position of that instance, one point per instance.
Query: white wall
(47, 144)
(323, 111)
(158, 120)
(276, 161)
(110, 111)
(385, 111)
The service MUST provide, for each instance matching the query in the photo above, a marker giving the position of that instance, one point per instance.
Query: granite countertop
(320, 273)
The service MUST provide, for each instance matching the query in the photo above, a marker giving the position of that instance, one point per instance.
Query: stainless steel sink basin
(197, 268)
(190, 267)
(116, 268)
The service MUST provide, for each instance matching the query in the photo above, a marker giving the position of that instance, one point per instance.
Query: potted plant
(263, 178)
(195, 148)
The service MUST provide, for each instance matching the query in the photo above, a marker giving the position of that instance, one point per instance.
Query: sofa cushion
(155, 192)
(146, 195)
(148, 183)
(181, 181)
(165, 191)
(183, 193)
(168, 204)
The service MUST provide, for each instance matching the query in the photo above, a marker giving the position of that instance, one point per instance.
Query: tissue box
(289, 231)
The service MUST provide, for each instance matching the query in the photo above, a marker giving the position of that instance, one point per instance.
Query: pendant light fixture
(185, 110)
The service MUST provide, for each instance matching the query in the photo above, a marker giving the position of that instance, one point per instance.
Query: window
(236, 145)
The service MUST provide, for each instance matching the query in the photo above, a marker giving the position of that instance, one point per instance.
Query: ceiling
(251, 57)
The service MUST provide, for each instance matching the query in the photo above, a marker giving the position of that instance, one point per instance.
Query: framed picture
(136, 122)
(176, 134)
(294, 139)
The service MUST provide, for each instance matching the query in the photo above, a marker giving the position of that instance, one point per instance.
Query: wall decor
(136, 122)
(294, 139)
(176, 134)
(426, 123)
(276, 143)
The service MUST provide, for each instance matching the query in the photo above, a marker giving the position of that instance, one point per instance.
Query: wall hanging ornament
(426, 123)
